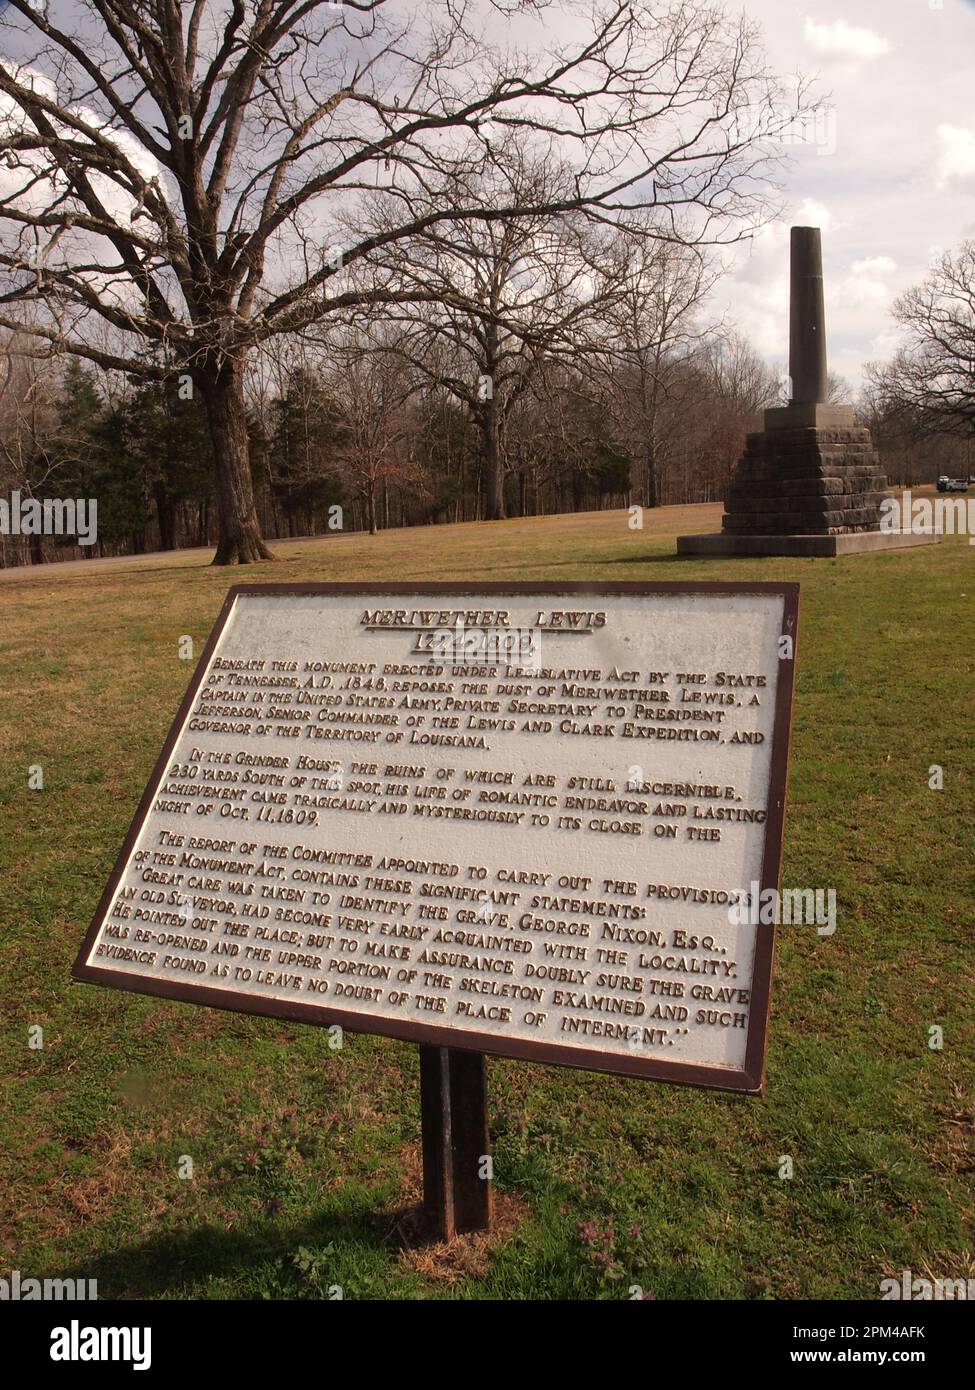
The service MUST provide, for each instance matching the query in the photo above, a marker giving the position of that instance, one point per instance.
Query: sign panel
(510, 817)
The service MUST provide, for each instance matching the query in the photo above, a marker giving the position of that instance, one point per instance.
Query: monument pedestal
(723, 543)
(808, 484)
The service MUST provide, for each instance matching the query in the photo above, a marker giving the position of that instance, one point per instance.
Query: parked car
(946, 484)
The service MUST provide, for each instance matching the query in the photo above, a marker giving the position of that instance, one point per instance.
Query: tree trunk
(165, 516)
(491, 429)
(239, 538)
(493, 478)
(651, 486)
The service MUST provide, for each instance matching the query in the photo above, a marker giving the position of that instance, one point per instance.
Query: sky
(892, 180)
(889, 175)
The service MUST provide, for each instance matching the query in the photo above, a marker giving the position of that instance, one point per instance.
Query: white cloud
(756, 295)
(19, 173)
(956, 155)
(30, 78)
(873, 266)
(859, 291)
(842, 40)
(811, 213)
(884, 345)
(894, 180)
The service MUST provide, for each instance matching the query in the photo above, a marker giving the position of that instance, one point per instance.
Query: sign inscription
(514, 818)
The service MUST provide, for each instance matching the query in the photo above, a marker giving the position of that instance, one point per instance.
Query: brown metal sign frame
(750, 1079)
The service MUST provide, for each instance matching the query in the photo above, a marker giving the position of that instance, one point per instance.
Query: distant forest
(371, 443)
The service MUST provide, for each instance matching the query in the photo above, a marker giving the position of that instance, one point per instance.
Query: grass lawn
(303, 1157)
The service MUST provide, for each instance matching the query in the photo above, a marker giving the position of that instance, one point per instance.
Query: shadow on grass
(175, 1264)
(656, 556)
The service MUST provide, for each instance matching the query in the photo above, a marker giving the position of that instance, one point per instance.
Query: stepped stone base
(798, 480)
(809, 484)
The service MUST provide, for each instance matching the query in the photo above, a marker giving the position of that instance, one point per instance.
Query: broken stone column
(807, 317)
(812, 474)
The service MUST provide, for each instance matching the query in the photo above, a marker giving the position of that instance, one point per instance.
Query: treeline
(371, 443)
(367, 445)
(920, 404)
(915, 449)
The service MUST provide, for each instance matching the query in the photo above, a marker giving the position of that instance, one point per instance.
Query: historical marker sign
(511, 818)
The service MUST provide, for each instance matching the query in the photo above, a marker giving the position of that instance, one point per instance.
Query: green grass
(302, 1156)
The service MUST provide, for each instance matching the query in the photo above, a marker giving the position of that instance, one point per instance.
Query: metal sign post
(456, 1166)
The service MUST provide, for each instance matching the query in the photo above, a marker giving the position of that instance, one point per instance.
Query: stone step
(750, 473)
(803, 523)
(789, 439)
(787, 488)
(804, 443)
(752, 502)
(822, 458)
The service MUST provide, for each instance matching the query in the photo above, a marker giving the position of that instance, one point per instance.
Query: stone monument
(810, 482)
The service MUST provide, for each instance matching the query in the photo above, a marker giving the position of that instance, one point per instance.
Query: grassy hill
(304, 1158)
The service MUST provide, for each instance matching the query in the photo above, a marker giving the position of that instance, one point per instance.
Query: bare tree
(191, 173)
(739, 376)
(507, 295)
(29, 459)
(914, 445)
(561, 437)
(930, 382)
(652, 327)
(371, 392)
(737, 386)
